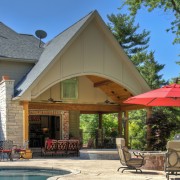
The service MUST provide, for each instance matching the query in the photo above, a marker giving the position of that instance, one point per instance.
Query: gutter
(10, 59)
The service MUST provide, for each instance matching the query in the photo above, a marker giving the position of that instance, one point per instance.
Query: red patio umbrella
(168, 95)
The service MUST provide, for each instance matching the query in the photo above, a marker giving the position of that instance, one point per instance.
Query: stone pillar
(65, 124)
(6, 93)
(11, 113)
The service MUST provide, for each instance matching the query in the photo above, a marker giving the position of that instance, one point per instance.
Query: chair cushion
(127, 154)
(135, 162)
(173, 158)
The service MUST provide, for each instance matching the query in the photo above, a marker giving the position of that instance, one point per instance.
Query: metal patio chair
(127, 160)
(6, 147)
(172, 158)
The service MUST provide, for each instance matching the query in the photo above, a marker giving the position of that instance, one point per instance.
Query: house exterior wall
(15, 70)
(91, 53)
(86, 92)
(11, 114)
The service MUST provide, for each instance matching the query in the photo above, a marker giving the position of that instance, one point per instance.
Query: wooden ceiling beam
(102, 83)
(75, 107)
(132, 107)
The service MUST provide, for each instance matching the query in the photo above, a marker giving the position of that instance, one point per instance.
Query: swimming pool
(29, 173)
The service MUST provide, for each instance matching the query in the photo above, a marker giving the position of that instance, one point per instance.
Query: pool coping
(72, 172)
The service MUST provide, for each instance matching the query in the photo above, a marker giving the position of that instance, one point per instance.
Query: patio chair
(6, 148)
(126, 159)
(177, 137)
(172, 158)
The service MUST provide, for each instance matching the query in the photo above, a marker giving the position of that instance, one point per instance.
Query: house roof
(52, 49)
(18, 46)
(58, 45)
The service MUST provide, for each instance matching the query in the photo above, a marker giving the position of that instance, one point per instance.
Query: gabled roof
(57, 46)
(18, 46)
(52, 49)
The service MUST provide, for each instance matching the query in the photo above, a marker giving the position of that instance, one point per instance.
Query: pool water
(29, 174)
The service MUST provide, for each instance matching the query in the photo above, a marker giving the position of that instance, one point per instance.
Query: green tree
(88, 123)
(123, 28)
(110, 124)
(162, 127)
(135, 45)
(137, 129)
(167, 5)
(149, 68)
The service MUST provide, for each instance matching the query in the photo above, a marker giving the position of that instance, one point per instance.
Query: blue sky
(53, 16)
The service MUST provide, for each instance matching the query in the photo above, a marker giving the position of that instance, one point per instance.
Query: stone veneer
(154, 160)
(11, 114)
(65, 125)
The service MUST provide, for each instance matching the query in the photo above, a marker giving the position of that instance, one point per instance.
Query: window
(69, 89)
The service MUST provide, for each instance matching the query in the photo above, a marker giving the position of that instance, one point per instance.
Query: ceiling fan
(54, 101)
(107, 102)
(51, 100)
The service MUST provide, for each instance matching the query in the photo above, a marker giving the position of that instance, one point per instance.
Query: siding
(15, 70)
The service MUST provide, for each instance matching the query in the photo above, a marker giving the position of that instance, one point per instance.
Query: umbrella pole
(149, 129)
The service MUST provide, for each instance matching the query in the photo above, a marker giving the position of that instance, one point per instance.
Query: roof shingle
(18, 46)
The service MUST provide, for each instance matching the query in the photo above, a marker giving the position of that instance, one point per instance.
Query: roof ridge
(71, 26)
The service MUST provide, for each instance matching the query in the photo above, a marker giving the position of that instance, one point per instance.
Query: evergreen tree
(167, 5)
(149, 69)
(123, 28)
(135, 45)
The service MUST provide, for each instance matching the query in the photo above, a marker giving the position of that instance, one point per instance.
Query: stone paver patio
(88, 169)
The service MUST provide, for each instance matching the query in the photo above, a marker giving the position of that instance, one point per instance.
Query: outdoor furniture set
(10, 151)
(60, 147)
(172, 157)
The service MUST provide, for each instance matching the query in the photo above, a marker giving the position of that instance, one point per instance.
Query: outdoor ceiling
(114, 91)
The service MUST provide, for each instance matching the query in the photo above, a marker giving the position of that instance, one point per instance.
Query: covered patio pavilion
(77, 72)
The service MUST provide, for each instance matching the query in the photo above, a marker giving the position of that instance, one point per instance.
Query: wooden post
(120, 124)
(126, 133)
(149, 129)
(25, 122)
(100, 121)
